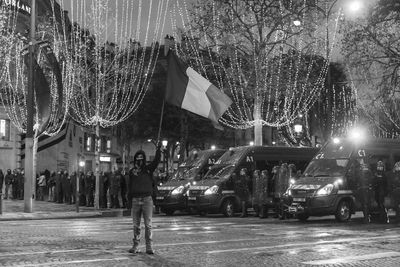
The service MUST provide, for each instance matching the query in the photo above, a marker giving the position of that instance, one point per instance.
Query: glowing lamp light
(336, 140)
(251, 143)
(164, 143)
(273, 143)
(298, 128)
(81, 164)
(355, 6)
(213, 147)
(357, 134)
(297, 22)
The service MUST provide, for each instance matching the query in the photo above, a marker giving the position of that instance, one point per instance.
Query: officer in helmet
(380, 187)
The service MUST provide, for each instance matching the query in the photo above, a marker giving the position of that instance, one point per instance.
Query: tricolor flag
(189, 90)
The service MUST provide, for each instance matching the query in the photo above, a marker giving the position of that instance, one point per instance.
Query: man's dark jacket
(141, 182)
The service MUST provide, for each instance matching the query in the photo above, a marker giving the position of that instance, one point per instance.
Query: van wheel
(343, 211)
(168, 212)
(202, 213)
(303, 217)
(228, 208)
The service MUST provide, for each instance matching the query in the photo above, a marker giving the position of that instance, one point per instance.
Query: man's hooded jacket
(141, 182)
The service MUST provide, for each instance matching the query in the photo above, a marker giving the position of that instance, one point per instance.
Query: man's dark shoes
(150, 251)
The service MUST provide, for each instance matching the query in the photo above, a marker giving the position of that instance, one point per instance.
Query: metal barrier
(1, 203)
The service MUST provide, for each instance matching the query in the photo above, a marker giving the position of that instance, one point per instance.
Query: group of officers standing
(64, 187)
(368, 185)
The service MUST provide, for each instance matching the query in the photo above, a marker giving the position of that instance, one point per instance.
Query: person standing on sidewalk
(8, 180)
(42, 186)
(141, 191)
(1, 181)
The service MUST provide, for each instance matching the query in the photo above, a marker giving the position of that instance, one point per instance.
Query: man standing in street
(141, 190)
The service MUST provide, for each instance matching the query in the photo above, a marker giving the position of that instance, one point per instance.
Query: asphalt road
(185, 240)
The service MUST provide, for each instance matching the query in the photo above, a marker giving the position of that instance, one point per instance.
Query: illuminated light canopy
(111, 55)
(268, 86)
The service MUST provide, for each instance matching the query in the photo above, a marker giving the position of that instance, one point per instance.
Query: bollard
(1, 203)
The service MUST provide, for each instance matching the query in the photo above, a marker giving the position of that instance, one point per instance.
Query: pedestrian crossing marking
(350, 259)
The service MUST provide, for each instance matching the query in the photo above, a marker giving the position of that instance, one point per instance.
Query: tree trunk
(97, 158)
(258, 123)
(34, 168)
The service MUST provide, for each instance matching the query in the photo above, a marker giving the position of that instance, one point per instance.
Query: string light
(110, 79)
(280, 84)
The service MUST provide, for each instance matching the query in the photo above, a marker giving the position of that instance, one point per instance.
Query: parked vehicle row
(293, 181)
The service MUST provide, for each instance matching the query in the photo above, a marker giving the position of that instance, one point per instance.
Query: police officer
(282, 186)
(90, 183)
(395, 192)
(256, 196)
(263, 190)
(59, 191)
(363, 190)
(380, 187)
(115, 188)
(242, 190)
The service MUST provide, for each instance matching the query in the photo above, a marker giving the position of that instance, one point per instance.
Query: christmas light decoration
(271, 73)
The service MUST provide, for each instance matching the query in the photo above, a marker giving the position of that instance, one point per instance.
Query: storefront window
(4, 130)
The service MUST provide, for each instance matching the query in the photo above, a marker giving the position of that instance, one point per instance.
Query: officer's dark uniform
(363, 191)
(395, 189)
(242, 190)
(90, 184)
(380, 186)
(115, 188)
(262, 186)
(282, 186)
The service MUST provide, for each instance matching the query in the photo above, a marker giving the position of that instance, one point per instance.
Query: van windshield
(326, 167)
(179, 173)
(220, 171)
(231, 157)
(337, 151)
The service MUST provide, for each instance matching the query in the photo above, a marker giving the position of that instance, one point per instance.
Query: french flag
(189, 90)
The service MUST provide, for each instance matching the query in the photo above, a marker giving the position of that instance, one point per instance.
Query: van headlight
(178, 190)
(326, 190)
(212, 190)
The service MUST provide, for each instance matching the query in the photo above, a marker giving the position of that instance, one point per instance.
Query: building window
(108, 146)
(4, 130)
(88, 142)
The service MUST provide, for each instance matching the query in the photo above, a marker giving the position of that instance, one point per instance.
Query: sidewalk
(14, 210)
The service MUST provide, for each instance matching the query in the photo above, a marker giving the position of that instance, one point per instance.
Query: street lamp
(298, 128)
(165, 144)
(213, 147)
(251, 143)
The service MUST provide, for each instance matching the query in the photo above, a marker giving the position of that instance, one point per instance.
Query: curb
(62, 215)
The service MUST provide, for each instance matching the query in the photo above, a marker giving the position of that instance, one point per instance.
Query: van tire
(168, 212)
(303, 217)
(228, 208)
(343, 211)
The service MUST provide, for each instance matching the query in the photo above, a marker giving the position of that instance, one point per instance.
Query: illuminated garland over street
(111, 78)
(272, 77)
(50, 114)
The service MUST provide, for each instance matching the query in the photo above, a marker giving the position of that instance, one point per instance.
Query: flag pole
(161, 119)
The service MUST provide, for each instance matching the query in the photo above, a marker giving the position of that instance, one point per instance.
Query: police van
(171, 196)
(216, 192)
(327, 186)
